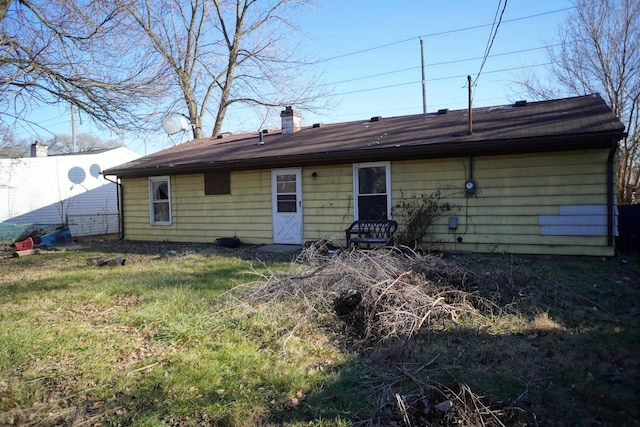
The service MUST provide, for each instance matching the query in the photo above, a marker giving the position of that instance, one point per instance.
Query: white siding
(57, 189)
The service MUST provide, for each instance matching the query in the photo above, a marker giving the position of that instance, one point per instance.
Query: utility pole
(424, 81)
(73, 128)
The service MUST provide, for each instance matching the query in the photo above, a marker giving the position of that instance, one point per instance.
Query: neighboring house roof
(571, 123)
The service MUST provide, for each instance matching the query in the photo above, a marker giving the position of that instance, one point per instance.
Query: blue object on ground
(58, 237)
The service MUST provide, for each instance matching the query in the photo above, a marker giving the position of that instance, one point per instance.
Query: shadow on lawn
(573, 364)
(557, 378)
(164, 249)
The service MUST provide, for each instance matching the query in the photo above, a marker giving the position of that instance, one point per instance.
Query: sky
(369, 57)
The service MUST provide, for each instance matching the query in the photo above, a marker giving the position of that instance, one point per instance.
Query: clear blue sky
(373, 59)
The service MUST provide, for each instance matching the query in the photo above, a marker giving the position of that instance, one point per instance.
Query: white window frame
(153, 180)
(356, 167)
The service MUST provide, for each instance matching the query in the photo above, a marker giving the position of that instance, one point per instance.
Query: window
(160, 200)
(372, 191)
(286, 193)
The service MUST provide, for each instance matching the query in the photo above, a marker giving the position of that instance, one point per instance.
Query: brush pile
(383, 295)
(391, 302)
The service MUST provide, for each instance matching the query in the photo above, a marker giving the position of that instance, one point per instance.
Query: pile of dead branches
(383, 294)
(389, 298)
(440, 405)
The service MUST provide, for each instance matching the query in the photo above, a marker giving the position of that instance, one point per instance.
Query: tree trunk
(4, 5)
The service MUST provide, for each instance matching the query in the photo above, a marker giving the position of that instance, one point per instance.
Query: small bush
(418, 214)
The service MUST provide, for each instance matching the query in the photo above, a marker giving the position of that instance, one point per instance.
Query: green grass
(144, 343)
(162, 341)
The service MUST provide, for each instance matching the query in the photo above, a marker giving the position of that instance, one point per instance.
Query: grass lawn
(184, 338)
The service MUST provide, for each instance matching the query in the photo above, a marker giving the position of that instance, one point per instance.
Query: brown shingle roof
(571, 123)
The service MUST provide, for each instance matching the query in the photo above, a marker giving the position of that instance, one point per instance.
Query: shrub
(418, 213)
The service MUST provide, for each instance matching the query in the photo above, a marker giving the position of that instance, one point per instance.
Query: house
(61, 189)
(531, 178)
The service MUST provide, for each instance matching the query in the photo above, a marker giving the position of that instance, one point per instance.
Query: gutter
(394, 152)
(610, 192)
(119, 205)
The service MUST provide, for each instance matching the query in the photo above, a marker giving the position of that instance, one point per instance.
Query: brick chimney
(290, 120)
(38, 149)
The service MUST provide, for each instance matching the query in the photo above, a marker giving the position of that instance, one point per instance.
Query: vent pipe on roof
(260, 139)
(470, 131)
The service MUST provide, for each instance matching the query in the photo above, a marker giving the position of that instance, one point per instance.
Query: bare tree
(83, 143)
(222, 52)
(4, 5)
(10, 146)
(600, 53)
(75, 52)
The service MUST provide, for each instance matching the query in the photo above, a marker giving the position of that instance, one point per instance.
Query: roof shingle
(570, 123)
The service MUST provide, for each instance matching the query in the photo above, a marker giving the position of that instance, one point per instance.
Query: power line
(455, 61)
(492, 38)
(460, 76)
(475, 27)
(438, 79)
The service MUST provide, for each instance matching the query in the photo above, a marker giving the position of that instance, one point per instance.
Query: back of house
(530, 178)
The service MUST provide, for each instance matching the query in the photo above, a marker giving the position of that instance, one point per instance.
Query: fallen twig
(145, 368)
(403, 410)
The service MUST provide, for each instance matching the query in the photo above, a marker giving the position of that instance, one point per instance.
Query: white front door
(286, 193)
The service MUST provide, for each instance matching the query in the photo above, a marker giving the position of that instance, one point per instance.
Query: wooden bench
(371, 232)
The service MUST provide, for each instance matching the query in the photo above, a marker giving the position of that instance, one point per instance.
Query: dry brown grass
(395, 299)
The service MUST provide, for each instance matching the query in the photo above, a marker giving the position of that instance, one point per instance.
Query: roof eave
(460, 148)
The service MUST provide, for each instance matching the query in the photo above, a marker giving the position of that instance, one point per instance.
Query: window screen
(371, 191)
(160, 200)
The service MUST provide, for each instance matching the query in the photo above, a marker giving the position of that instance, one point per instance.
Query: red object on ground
(24, 245)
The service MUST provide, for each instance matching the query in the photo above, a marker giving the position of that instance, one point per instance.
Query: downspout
(610, 192)
(119, 206)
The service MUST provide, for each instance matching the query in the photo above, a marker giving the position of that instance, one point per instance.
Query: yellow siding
(328, 201)
(245, 213)
(513, 191)
(503, 216)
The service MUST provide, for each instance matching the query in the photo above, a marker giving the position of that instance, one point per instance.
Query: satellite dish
(170, 126)
(184, 123)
